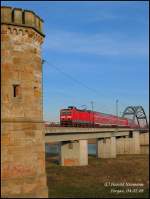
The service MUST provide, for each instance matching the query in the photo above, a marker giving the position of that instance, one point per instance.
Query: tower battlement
(20, 17)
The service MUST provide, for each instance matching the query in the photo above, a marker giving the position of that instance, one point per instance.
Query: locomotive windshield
(65, 112)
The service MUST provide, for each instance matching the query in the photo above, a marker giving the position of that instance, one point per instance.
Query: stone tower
(22, 139)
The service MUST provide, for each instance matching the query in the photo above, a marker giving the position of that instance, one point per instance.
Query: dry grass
(88, 181)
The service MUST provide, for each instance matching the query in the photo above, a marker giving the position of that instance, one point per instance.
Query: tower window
(35, 91)
(16, 90)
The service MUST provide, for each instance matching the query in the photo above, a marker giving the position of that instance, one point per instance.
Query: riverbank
(125, 176)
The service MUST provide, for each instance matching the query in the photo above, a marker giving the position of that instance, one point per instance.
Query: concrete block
(74, 153)
(120, 145)
(83, 152)
(126, 145)
(106, 148)
(129, 145)
(144, 149)
(113, 147)
(136, 142)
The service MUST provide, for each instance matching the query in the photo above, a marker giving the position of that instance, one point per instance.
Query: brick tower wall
(22, 139)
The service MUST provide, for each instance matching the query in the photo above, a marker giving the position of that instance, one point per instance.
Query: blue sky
(103, 46)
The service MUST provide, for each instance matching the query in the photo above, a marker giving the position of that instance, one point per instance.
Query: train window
(65, 112)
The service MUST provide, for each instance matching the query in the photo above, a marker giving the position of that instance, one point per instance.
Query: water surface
(54, 149)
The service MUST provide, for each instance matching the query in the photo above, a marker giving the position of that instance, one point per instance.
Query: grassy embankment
(89, 181)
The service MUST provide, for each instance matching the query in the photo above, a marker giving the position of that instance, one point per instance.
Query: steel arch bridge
(137, 114)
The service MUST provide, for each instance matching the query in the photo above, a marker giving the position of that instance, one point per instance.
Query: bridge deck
(56, 134)
(63, 130)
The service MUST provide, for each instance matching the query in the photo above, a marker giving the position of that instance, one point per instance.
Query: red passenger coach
(87, 118)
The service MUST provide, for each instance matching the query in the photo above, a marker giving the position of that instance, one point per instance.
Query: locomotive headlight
(65, 117)
(62, 117)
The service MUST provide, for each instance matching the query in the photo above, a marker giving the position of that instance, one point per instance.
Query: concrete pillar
(136, 142)
(129, 145)
(126, 145)
(113, 147)
(106, 148)
(144, 139)
(120, 145)
(74, 153)
(144, 143)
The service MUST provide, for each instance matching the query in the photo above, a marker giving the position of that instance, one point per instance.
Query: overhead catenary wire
(70, 77)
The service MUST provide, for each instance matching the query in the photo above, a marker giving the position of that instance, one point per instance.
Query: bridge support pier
(74, 153)
(144, 143)
(129, 145)
(136, 140)
(106, 148)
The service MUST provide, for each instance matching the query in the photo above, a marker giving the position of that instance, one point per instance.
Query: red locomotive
(87, 118)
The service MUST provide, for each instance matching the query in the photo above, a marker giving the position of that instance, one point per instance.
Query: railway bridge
(22, 151)
(110, 142)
